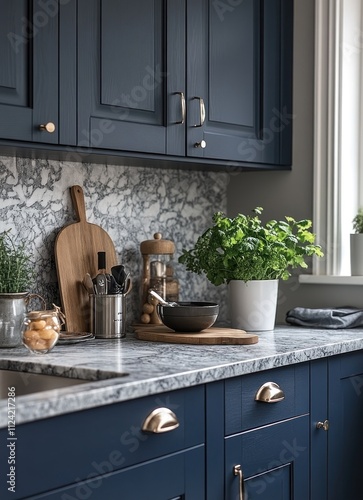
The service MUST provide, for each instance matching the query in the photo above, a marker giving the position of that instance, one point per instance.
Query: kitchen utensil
(122, 277)
(114, 288)
(189, 316)
(76, 248)
(119, 273)
(206, 337)
(162, 301)
(88, 283)
(102, 280)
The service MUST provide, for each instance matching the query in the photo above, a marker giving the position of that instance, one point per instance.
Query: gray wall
(291, 193)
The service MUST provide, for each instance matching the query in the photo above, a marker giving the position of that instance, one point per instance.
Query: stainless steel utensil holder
(108, 316)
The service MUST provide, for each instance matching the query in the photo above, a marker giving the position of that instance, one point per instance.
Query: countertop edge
(94, 394)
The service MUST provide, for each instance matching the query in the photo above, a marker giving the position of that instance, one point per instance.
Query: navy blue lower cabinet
(104, 453)
(179, 476)
(336, 427)
(269, 463)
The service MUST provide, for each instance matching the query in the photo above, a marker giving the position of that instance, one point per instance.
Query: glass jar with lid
(158, 275)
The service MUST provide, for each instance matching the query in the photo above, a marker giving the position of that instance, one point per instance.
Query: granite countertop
(154, 367)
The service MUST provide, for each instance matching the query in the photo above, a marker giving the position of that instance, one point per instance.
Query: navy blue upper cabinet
(131, 83)
(29, 70)
(240, 80)
(192, 80)
(186, 78)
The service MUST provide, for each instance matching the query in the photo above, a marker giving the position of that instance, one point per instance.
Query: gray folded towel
(339, 317)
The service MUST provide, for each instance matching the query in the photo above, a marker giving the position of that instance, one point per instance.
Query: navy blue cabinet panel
(338, 449)
(179, 476)
(185, 80)
(80, 446)
(131, 82)
(243, 412)
(274, 461)
(240, 65)
(29, 70)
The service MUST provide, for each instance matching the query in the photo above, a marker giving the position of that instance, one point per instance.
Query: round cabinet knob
(202, 144)
(48, 127)
(160, 420)
(323, 425)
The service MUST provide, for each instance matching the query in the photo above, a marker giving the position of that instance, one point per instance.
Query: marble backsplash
(130, 203)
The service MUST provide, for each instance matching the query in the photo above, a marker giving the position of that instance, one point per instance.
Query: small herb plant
(358, 222)
(242, 248)
(16, 269)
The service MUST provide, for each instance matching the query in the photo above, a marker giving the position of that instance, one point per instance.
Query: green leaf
(244, 248)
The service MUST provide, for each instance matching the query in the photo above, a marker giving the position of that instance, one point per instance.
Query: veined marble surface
(130, 203)
(159, 367)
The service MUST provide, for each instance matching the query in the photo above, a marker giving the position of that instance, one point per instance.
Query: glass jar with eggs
(41, 330)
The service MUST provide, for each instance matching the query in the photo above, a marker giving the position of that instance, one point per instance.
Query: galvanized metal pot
(12, 314)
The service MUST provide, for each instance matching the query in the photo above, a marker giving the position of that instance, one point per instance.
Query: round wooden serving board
(212, 335)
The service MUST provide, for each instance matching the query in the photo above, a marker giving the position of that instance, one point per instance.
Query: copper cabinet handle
(160, 420)
(183, 107)
(237, 471)
(48, 127)
(201, 112)
(270, 392)
(323, 425)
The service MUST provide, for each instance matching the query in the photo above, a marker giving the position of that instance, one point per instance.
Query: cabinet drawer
(176, 477)
(243, 412)
(82, 445)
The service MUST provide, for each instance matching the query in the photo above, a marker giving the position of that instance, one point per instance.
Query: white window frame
(338, 183)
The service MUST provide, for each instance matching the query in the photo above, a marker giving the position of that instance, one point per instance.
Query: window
(338, 166)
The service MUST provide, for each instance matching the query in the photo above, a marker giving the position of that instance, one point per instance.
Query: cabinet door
(274, 462)
(131, 83)
(176, 477)
(240, 74)
(29, 70)
(345, 414)
(337, 451)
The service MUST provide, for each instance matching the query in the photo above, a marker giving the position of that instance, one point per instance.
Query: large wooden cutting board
(76, 248)
(211, 335)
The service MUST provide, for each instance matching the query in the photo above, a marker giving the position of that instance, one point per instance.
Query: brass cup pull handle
(237, 471)
(183, 107)
(48, 127)
(270, 392)
(160, 420)
(323, 425)
(201, 112)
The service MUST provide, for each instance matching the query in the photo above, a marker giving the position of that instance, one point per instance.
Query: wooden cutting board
(76, 248)
(211, 335)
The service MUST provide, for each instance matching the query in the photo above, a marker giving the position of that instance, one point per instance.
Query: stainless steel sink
(28, 383)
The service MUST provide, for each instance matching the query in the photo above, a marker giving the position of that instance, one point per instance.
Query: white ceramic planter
(253, 304)
(356, 254)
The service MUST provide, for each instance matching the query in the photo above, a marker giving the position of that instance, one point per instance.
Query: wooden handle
(78, 203)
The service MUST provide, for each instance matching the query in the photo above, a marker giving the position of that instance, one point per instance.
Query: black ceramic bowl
(189, 316)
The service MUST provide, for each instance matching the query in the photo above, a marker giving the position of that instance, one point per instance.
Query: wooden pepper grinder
(157, 274)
